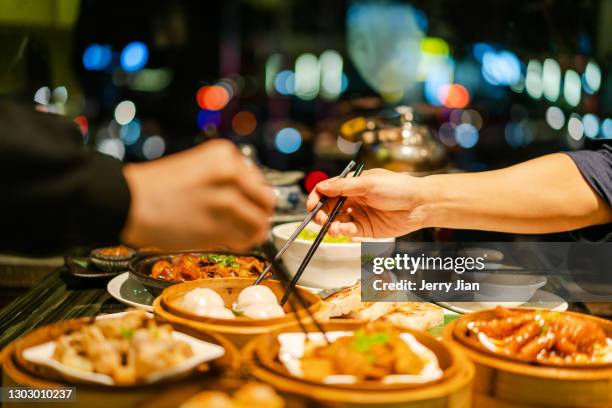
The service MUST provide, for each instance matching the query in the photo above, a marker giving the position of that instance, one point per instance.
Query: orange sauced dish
(543, 336)
(190, 267)
(120, 250)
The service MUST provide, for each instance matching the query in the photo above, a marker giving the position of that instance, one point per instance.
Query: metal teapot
(397, 143)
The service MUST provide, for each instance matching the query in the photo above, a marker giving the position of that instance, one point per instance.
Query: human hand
(380, 204)
(205, 197)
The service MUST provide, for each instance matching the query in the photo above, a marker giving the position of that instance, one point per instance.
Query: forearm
(543, 195)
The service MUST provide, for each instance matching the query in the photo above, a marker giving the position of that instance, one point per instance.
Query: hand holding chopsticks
(332, 216)
(299, 229)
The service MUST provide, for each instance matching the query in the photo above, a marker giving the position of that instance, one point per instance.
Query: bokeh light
(130, 132)
(42, 95)
(480, 49)
(446, 133)
(331, 74)
(212, 97)
(347, 147)
(501, 68)
(518, 134)
(208, 118)
(83, 124)
(551, 77)
(591, 78)
(307, 73)
(574, 127)
(134, 56)
(288, 140)
(97, 57)
(555, 118)
(284, 83)
(112, 147)
(467, 135)
(572, 88)
(473, 117)
(606, 128)
(533, 79)
(153, 147)
(313, 178)
(244, 123)
(125, 111)
(590, 123)
(454, 96)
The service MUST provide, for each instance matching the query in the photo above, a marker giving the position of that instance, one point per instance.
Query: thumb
(349, 187)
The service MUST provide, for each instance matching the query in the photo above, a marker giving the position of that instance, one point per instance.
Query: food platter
(503, 382)
(192, 265)
(541, 299)
(261, 358)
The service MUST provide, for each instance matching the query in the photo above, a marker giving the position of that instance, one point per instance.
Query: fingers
(348, 186)
(312, 200)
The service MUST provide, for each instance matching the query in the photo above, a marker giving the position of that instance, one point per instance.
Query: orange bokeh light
(454, 96)
(244, 123)
(212, 97)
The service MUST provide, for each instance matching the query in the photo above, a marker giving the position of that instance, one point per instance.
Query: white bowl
(515, 289)
(334, 265)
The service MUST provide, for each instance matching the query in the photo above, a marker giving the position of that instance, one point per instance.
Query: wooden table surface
(58, 296)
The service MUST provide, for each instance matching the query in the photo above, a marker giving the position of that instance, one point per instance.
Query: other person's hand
(205, 197)
(380, 204)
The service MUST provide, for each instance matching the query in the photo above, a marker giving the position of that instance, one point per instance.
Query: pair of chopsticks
(299, 229)
(315, 245)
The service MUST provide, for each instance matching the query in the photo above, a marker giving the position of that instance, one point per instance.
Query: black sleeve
(596, 168)
(55, 193)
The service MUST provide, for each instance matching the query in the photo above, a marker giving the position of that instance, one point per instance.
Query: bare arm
(544, 195)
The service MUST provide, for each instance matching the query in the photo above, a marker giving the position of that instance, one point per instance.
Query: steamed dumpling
(255, 294)
(201, 298)
(263, 310)
(215, 312)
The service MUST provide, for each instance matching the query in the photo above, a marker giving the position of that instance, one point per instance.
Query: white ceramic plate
(202, 351)
(541, 299)
(292, 347)
(130, 292)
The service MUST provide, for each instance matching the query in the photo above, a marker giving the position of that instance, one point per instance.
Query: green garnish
(310, 235)
(154, 332)
(544, 329)
(225, 260)
(238, 313)
(364, 342)
(127, 333)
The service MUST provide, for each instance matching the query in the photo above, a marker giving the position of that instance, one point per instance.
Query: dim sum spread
(188, 267)
(550, 338)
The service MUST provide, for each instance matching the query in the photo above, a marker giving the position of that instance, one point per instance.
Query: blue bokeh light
(284, 83)
(97, 57)
(134, 56)
(288, 140)
(130, 133)
(501, 68)
(466, 135)
(479, 50)
(606, 129)
(208, 117)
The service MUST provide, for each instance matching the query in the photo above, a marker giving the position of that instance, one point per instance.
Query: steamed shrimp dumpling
(215, 312)
(255, 294)
(202, 298)
(263, 310)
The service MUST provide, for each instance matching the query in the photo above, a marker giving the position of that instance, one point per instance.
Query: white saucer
(130, 292)
(541, 299)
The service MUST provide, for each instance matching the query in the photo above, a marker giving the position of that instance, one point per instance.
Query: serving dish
(141, 266)
(240, 329)
(19, 372)
(112, 259)
(506, 381)
(334, 265)
(452, 389)
(130, 292)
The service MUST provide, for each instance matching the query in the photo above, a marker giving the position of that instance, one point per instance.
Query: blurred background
(298, 84)
(303, 86)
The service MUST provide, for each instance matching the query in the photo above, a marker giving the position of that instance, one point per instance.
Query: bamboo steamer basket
(453, 390)
(505, 383)
(241, 329)
(18, 372)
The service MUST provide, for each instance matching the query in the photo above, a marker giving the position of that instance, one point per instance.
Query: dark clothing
(596, 168)
(55, 193)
